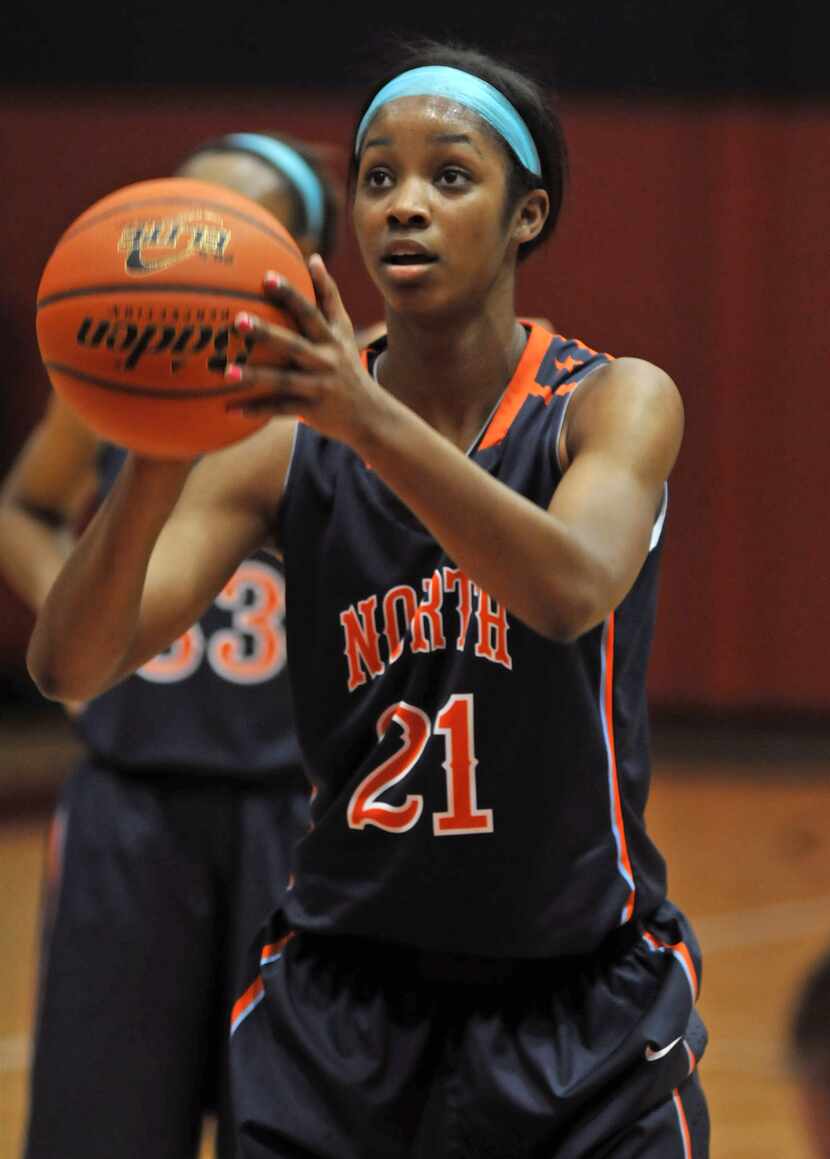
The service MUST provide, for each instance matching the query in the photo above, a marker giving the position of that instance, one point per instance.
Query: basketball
(135, 312)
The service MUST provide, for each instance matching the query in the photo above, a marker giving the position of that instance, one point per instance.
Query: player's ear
(531, 215)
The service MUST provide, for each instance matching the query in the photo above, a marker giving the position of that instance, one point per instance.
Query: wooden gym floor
(742, 820)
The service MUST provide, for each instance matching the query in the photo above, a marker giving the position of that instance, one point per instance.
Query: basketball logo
(174, 241)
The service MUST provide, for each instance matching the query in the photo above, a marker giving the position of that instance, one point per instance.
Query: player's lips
(407, 260)
(404, 251)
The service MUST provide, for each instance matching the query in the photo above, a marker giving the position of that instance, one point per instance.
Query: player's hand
(316, 372)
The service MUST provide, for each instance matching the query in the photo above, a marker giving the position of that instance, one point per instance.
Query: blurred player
(172, 840)
(478, 956)
(810, 1051)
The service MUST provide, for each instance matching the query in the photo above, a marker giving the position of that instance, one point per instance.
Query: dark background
(694, 234)
(622, 47)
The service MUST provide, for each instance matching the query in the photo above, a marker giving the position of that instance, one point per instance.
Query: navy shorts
(345, 1048)
(160, 885)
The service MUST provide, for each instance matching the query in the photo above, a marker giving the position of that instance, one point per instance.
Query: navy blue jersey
(478, 788)
(218, 701)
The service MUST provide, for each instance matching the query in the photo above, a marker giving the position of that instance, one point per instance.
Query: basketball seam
(183, 394)
(147, 289)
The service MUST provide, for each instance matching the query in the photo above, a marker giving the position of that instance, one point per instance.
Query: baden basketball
(135, 312)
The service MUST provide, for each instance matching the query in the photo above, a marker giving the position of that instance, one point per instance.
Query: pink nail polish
(273, 281)
(243, 323)
(233, 373)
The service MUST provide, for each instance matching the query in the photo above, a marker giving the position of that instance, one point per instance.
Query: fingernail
(244, 323)
(233, 373)
(273, 280)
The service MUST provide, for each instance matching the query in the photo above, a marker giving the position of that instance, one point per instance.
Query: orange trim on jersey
(681, 951)
(245, 1000)
(684, 1126)
(622, 843)
(692, 1059)
(272, 949)
(521, 386)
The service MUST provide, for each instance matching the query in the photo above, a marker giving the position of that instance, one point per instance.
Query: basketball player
(174, 835)
(478, 957)
(810, 1051)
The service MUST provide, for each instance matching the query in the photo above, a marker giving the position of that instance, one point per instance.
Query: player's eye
(377, 178)
(453, 177)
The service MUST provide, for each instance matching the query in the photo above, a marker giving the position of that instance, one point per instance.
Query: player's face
(253, 178)
(429, 207)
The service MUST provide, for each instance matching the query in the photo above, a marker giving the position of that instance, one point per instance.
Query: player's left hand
(315, 372)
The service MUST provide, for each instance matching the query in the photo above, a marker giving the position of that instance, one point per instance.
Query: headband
(294, 167)
(464, 89)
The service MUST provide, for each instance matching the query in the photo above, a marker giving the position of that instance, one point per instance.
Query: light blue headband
(465, 89)
(295, 167)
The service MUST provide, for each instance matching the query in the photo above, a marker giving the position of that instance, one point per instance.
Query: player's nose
(409, 204)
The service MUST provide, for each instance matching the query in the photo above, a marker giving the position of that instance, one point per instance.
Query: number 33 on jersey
(249, 650)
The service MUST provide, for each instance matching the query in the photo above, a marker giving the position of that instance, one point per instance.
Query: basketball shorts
(159, 884)
(349, 1049)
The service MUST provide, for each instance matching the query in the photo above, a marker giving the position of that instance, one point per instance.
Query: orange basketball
(136, 306)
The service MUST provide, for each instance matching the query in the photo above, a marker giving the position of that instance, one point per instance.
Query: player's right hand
(316, 371)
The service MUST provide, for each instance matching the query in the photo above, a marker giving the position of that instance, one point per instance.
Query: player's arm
(564, 568)
(560, 569)
(163, 543)
(42, 498)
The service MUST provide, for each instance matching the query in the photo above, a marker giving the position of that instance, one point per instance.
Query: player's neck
(452, 374)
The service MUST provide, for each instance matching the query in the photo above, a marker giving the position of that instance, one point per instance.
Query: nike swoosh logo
(653, 1055)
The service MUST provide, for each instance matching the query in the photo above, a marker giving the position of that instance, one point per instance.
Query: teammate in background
(478, 956)
(174, 836)
(810, 1051)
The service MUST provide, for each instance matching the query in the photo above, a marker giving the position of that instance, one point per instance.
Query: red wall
(694, 236)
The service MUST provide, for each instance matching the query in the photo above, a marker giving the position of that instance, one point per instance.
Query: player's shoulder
(630, 382)
(564, 363)
(627, 401)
